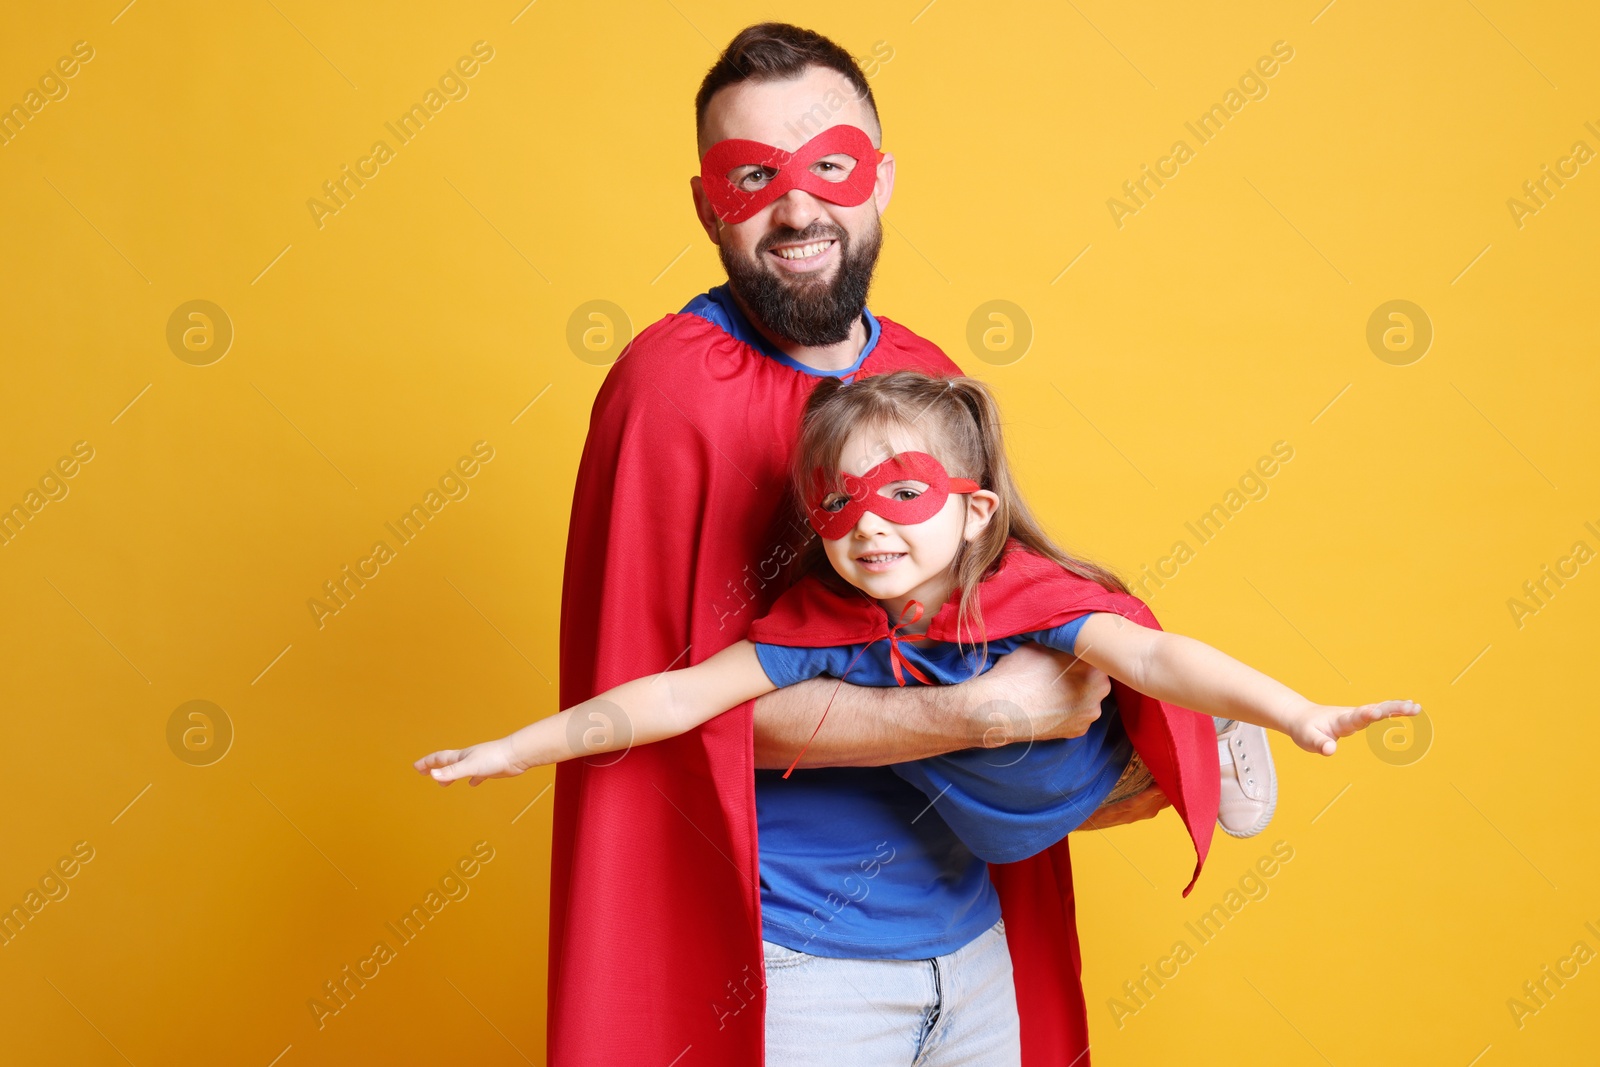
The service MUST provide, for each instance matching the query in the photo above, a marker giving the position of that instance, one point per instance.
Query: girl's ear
(980, 509)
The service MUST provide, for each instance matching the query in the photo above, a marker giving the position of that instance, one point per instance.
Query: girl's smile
(895, 563)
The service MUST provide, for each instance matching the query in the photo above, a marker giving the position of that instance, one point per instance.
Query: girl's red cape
(1029, 592)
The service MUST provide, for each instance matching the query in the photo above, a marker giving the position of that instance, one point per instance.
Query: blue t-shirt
(891, 862)
(862, 862)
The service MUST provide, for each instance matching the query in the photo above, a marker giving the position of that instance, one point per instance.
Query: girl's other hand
(491, 759)
(1319, 730)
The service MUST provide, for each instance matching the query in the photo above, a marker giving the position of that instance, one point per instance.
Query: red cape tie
(897, 660)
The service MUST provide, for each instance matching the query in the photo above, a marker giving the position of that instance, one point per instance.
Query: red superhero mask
(733, 203)
(865, 493)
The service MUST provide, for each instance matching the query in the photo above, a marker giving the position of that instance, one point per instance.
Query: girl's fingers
(472, 764)
(479, 762)
(1334, 723)
(1319, 738)
(1389, 708)
(459, 768)
(1361, 717)
(1370, 714)
(443, 758)
(478, 766)
(1349, 721)
(1322, 743)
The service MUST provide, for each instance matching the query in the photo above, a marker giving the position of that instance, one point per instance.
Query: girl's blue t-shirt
(891, 862)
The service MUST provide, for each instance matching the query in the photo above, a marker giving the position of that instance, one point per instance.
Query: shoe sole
(1272, 805)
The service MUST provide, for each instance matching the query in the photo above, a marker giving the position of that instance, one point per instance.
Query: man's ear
(703, 211)
(980, 509)
(883, 187)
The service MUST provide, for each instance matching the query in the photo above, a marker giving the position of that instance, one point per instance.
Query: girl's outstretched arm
(633, 713)
(1193, 675)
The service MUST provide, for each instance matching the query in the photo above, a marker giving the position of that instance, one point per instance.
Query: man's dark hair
(776, 51)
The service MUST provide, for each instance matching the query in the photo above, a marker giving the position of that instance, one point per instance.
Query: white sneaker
(1249, 780)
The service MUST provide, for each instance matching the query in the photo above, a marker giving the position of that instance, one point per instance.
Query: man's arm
(1034, 693)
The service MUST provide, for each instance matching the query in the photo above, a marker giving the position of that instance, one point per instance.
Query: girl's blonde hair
(960, 423)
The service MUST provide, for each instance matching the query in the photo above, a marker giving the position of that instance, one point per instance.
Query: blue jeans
(955, 1010)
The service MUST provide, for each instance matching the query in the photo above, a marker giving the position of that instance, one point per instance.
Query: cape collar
(718, 307)
(1027, 592)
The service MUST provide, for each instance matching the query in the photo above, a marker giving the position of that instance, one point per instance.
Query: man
(677, 543)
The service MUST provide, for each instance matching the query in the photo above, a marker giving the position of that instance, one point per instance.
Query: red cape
(1028, 592)
(672, 549)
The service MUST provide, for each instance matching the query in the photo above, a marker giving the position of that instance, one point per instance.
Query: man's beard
(802, 307)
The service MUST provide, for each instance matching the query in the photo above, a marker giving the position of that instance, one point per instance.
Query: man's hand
(1039, 694)
(1032, 694)
(1134, 809)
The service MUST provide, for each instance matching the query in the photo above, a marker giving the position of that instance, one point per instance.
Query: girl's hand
(491, 759)
(1321, 727)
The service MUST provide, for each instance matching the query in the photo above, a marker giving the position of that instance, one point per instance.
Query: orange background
(1430, 878)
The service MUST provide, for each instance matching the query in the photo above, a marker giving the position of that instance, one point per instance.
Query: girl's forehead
(868, 446)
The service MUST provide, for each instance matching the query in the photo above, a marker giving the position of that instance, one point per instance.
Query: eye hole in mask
(833, 514)
(846, 183)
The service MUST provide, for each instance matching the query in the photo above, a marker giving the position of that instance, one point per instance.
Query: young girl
(935, 568)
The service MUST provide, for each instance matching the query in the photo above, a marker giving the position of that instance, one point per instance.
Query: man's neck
(832, 357)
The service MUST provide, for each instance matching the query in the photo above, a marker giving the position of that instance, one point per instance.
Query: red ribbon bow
(897, 659)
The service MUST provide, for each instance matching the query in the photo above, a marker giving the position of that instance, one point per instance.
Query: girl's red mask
(863, 493)
(733, 204)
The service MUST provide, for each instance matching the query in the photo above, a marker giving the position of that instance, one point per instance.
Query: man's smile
(805, 258)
